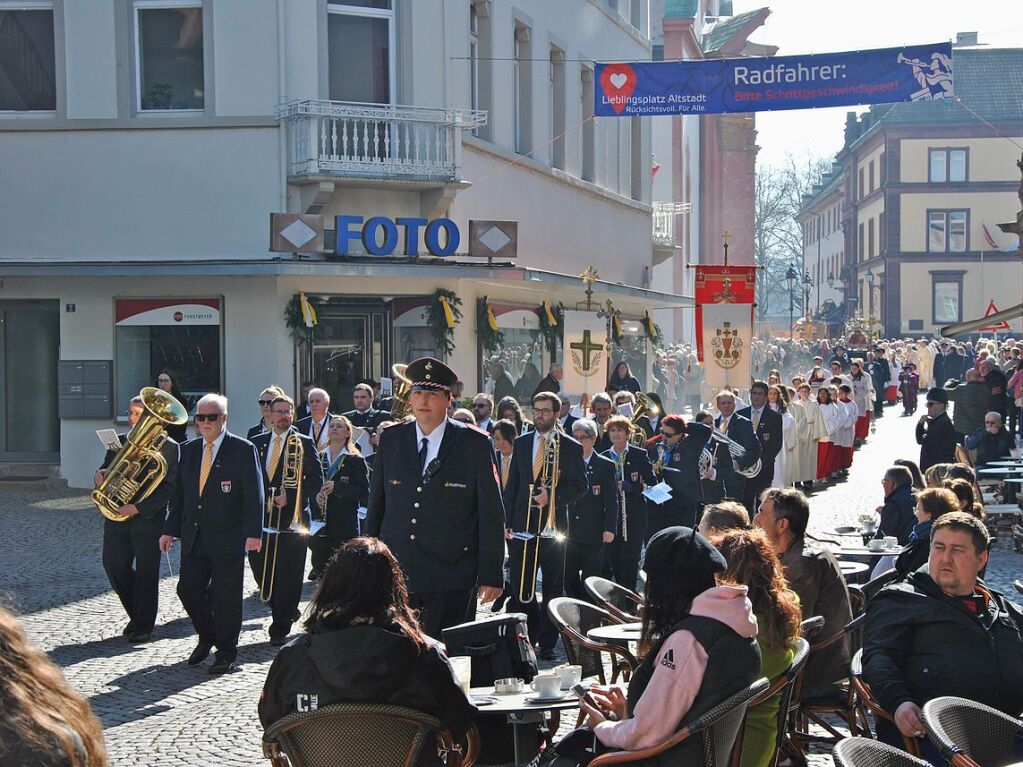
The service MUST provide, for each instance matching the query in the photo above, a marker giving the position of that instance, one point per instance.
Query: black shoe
(200, 653)
(278, 640)
(223, 667)
(548, 654)
(129, 628)
(138, 637)
(314, 575)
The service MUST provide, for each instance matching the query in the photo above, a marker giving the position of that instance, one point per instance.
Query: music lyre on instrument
(290, 479)
(545, 522)
(737, 451)
(139, 466)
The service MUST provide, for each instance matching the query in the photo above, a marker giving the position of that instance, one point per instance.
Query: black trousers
(287, 578)
(581, 561)
(621, 557)
(210, 589)
(751, 493)
(131, 559)
(439, 610)
(552, 565)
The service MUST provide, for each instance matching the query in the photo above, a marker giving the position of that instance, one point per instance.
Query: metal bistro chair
(783, 686)
(970, 734)
(867, 702)
(616, 599)
(719, 728)
(368, 735)
(574, 618)
(864, 752)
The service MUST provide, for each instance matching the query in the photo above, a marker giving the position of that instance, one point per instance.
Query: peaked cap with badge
(429, 374)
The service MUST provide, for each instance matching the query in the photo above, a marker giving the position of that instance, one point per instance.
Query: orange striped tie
(505, 469)
(275, 457)
(207, 464)
(538, 460)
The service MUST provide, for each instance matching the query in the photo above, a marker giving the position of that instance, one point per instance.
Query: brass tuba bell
(402, 388)
(139, 466)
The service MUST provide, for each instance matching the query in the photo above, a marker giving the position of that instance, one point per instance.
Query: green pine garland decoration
(443, 336)
(295, 322)
(491, 340)
(553, 335)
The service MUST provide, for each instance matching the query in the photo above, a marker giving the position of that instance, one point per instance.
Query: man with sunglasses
(291, 517)
(482, 410)
(935, 433)
(217, 511)
(676, 458)
(265, 424)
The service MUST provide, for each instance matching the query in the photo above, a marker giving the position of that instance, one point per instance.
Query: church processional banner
(724, 323)
(585, 361)
(718, 86)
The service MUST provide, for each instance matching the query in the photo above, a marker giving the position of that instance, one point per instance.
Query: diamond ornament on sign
(298, 233)
(494, 238)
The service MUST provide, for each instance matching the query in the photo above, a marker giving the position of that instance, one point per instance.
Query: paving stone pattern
(156, 709)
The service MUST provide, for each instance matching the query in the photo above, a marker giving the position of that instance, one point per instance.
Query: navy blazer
(599, 508)
(741, 430)
(680, 467)
(312, 478)
(769, 434)
(571, 483)
(447, 531)
(351, 481)
(302, 426)
(638, 473)
(231, 506)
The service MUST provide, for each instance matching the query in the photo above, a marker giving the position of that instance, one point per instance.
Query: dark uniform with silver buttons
(445, 521)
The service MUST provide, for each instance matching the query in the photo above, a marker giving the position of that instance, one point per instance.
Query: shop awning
(972, 326)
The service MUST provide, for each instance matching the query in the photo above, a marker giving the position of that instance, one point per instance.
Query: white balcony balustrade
(338, 139)
(665, 220)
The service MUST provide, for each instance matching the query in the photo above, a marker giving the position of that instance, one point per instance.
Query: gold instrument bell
(400, 391)
(139, 466)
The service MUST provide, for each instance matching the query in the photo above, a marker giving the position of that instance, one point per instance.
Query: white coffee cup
(570, 675)
(875, 544)
(546, 685)
(890, 541)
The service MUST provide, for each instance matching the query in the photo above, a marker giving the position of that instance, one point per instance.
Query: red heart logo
(618, 81)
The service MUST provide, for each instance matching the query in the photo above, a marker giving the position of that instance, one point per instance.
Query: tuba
(542, 523)
(737, 451)
(139, 466)
(644, 407)
(290, 471)
(402, 388)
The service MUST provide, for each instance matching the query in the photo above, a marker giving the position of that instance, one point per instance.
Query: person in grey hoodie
(970, 403)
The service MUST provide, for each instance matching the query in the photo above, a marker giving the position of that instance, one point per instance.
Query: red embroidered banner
(724, 298)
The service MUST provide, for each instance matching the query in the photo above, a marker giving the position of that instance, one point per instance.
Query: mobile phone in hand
(584, 695)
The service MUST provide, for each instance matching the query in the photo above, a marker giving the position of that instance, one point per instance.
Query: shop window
(360, 45)
(181, 335)
(27, 71)
(522, 354)
(947, 301)
(169, 55)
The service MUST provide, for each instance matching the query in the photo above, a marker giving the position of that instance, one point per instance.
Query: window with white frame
(27, 66)
(947, 165)
(946, 231)
(169, 66)
(947, 300)
(360, 45)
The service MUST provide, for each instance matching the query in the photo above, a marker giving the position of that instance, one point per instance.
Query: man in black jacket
(528, 513)
(279, 569)
(943, 632)
(997, 383)
(991, 442)
(897, 517)
(676, 460)
(935, 433)
(633, 473)
(726, 466)
(767, 426)
(136, 540)
(948, 364)
(364, 415)
(879, 371)
(217, 512)
(435, 500)
(593, 519)
(552, 381)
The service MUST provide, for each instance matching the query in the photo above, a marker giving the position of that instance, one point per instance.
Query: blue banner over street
(913, 73)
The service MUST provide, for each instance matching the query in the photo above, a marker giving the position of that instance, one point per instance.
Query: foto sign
(379, 235)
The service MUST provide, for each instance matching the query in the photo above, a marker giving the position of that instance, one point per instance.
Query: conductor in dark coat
(767, 425)
(935, 433)
(528, 514)
(217, 512)
(435, 500)
(594, 518)
(739, 429)
(135, 541)
(279, 573)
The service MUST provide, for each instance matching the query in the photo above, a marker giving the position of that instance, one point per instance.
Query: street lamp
(869, 276)
(807, 290)
(792, 276)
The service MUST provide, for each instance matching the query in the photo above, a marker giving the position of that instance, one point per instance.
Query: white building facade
(145, 143)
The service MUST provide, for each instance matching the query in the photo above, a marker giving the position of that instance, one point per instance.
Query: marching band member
(633, 472)
(676, 458)
(265, 422)
(345, 484)
(364, 415)
(740, 430)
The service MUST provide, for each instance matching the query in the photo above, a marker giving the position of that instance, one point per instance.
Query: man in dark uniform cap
(435, 500)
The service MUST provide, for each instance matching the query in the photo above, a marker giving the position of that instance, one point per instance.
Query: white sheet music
(659, 493)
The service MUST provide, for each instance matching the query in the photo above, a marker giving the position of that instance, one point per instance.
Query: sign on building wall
(717, 86)
(585, 353)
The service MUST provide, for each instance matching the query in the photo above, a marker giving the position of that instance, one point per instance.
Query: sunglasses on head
(200, 417)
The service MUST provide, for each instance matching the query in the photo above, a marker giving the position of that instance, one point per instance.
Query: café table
(616, 632)
(854, 552)
(1006, 462)
(853, 571)
(522, 714)
(1001, 470)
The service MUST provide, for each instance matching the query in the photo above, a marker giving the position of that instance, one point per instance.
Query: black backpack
(498, 645)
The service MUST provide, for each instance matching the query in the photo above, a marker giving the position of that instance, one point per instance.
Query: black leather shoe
(199, 654)
(223, 667)
(129, 627)
(138, 637)
(278, 641)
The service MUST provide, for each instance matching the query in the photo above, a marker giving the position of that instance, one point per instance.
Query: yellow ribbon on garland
(308, 312)
(550, 315)
(491, 319)
(617, 327)
(648, 324)
(448, 314)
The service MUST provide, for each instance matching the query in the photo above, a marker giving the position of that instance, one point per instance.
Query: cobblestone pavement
(156, 709)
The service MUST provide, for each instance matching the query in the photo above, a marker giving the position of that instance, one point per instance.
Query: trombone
(543, 523)
(291, 479)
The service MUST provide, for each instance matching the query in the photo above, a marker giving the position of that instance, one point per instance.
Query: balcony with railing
(336, 140)
(665, 222)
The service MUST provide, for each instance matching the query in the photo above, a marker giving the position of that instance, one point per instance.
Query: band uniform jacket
(230, 508)
(256, 430)
(312, 478)
(447, 529)
(769, 432)
(155, 506)
(303, 427)
(637, 473)
(741, 430)
(598, 510)
(680, 467)
(351, 482)
(571, 480)
(369, 419)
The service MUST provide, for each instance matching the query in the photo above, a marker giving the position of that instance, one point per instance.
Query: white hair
(213, 399)
(321, 392)
(587, 425)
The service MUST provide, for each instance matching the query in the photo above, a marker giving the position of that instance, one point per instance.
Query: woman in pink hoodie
(698, 647)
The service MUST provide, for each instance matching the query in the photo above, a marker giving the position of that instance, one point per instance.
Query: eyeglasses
(543, 411)
(281, 412)
(265, 402)
(668, 434)
(200, 417)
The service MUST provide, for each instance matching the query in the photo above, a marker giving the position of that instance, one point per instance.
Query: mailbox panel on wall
(85, 389)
